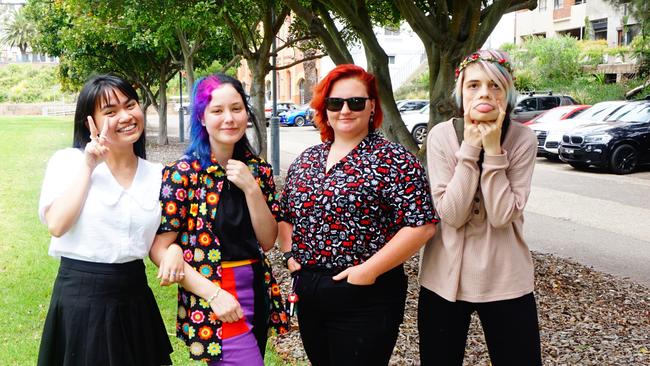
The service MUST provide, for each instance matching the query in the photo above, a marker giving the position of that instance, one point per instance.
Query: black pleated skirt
(103, 314)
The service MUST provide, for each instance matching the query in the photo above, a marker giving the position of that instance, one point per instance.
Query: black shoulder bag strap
(459, 126)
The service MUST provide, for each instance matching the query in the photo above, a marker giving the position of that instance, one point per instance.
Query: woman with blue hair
(480, 169)
(219, 213)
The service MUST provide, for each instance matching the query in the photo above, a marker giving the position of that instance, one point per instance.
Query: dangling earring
(371, 122)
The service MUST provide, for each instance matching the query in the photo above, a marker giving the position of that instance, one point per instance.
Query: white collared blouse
(116, 225)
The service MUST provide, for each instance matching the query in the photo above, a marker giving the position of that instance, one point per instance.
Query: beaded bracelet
(214, 296)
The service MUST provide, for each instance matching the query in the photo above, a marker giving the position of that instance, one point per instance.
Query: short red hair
(324, 87)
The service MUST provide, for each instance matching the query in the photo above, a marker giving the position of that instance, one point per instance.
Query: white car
(281, 107)
(416, 122)
(549, 134)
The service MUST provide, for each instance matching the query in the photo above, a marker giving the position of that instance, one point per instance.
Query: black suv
(531, 104)
(619, 145)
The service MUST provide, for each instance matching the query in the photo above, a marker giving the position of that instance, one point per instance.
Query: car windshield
(621, 112)
(636, 113)
(600, 111)
(553, 115)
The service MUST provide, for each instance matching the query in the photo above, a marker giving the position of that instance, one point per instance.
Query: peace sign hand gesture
(97, 148)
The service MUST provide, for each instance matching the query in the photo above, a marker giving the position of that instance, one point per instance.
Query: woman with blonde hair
(480, 169)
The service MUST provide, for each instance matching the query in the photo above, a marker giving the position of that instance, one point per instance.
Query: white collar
(141, 191)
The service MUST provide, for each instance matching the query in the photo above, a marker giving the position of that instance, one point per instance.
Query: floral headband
(477, 57)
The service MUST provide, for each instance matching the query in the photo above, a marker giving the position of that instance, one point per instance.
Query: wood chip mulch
(586, 317)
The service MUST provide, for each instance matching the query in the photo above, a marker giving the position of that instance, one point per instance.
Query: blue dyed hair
(201, 97)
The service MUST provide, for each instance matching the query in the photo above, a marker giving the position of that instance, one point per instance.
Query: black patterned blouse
(189, 196)
(342, 217)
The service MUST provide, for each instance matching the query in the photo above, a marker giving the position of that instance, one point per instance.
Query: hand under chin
(483, 117)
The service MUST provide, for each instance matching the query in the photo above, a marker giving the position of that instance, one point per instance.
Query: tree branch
(231, 63)
(304, 59)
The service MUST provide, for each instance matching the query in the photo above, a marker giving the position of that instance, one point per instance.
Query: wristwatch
(285, 258)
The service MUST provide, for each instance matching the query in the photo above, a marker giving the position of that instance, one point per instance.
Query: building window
(289, 93)
(268, 90)
(541, 5)
(575, 33)
(301, 91)
(624, 38)
(391, 60)
(578, 2)
(391, 31)
(600, 28)
(558, 4)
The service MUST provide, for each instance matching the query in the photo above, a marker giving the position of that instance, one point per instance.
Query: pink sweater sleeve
(453, 175)
(506, 179)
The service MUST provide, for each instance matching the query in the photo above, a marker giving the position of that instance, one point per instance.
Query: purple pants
(239, 345)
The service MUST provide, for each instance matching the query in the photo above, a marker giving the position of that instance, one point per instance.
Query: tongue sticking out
(484, 108)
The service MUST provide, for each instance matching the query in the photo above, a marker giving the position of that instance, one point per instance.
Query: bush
(525, 80)
(30, 83)
(554, 58)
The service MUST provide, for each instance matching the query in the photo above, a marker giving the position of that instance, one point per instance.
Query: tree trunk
(188, 58)
(311, 78)
(162, 106)
(441, 85)
(257, 97)
(188, 63)
(393, 126)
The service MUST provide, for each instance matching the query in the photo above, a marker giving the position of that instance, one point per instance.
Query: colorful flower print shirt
(342, 217)
(189, 197)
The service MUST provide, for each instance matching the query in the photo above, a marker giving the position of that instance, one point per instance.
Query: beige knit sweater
(478, 253)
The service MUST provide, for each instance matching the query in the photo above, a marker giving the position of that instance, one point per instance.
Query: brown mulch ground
(586, 317)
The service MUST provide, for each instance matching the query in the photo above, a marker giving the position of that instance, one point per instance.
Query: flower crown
(476, 57)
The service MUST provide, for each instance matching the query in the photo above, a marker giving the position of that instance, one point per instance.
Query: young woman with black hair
(99, 201)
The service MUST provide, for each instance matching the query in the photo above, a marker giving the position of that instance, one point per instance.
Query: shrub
(29, 83)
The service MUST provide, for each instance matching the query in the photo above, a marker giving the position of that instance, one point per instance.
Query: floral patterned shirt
(189, 197)
(342, 217)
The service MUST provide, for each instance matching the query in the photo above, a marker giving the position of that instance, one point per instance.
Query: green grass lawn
(27, 273)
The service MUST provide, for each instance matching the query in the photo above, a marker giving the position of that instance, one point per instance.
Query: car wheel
(624, 159)
(579, 166)
(299, 121)
(420, 133)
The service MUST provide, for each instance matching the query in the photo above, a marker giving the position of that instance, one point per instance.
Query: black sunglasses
(355, 104)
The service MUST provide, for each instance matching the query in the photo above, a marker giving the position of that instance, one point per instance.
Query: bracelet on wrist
(214, 295)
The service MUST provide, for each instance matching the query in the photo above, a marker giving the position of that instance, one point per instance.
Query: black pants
(344, 324)
(510, 326)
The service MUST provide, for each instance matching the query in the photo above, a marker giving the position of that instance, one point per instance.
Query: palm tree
(18, 32)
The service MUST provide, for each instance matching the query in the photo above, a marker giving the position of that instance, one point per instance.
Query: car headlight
(538, 132)
(598, 139)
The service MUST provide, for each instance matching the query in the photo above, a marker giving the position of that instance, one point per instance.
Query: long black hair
(96, 90)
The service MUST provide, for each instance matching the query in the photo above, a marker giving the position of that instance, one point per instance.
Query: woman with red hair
(354, 208)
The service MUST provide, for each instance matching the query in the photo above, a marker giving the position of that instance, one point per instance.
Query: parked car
(408, 105)
(531, 105)
(416, 122)
(619, 145)
(298, 117)
(281, 106)
(549, 134)
(558, 114)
